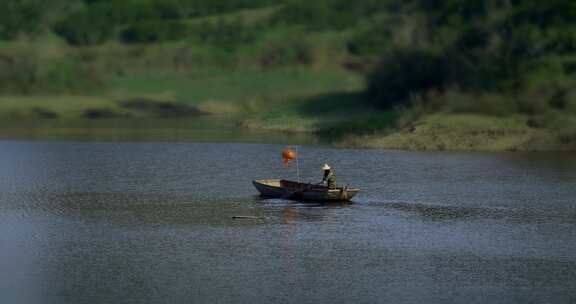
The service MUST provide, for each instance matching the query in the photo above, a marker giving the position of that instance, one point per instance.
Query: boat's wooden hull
(299, 191)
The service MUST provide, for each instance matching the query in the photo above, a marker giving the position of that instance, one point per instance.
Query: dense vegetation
(513, 48)
(492, 57)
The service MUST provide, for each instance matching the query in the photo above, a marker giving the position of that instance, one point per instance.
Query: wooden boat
(301, 191)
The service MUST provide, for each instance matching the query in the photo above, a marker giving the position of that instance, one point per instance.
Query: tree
(19, 17)
(406, 72)
(85, 28)
(152, 31)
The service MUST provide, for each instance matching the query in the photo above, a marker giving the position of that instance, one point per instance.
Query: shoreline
(444, 132)
(452, 133)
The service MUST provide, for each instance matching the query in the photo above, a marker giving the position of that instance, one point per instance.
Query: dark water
(152, 223)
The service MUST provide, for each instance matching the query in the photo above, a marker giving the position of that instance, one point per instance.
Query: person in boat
(329, 178)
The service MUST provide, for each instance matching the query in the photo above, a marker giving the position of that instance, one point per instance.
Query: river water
(142, 222)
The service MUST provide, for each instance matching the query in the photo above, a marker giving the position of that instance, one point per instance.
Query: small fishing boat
(286, 189)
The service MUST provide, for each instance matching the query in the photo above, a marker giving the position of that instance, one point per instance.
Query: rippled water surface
(85, 222)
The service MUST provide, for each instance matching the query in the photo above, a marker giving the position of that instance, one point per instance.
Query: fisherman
(329, 177)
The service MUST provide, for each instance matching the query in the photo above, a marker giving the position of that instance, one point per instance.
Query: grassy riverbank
(287, 101)
(232, 92)
(469, 132)
(420, 75)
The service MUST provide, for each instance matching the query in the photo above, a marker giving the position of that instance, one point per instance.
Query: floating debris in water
(245, 217)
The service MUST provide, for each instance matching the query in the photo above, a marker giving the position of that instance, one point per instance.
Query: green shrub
(123, 12)
(68, 76)
(403, 73)
(546, 14)
(455, 101)
(198, 8)
(329, 14)
(98, 22)
(225, 34)
(153, 31)
(18, 71)
(288, 51)
(84, 29)
(316, 15)
(23, 71)
(19, 17)
(371, 42)
(169, 9)
(455, 12)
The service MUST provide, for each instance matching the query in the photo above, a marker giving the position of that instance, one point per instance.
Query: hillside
(377, 73)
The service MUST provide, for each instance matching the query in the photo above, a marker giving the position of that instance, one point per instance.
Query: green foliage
(370, 42)
(198, 8)
(225, 34)
(490, 57)
(545, 14)
(499, 56)
(18, 71)
(85, 28)
(98, 22)
(19, 17)
(454, 101)
(406, 72)
(169, 9)
(456, 12)
(153, 31)
(328, 14)
(178, 9)
(65, 76)
(152, 21)
(367, 124)
(286, 52)
(316, 15)
(22, 71)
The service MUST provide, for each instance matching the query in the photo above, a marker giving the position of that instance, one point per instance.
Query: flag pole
(297, 164)
(297, 156)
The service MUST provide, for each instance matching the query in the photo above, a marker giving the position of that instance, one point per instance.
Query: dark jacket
(330, 179)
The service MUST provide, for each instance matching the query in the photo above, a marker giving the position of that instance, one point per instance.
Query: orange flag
(287, 156)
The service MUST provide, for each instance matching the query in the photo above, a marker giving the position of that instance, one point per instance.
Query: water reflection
(289, 215)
